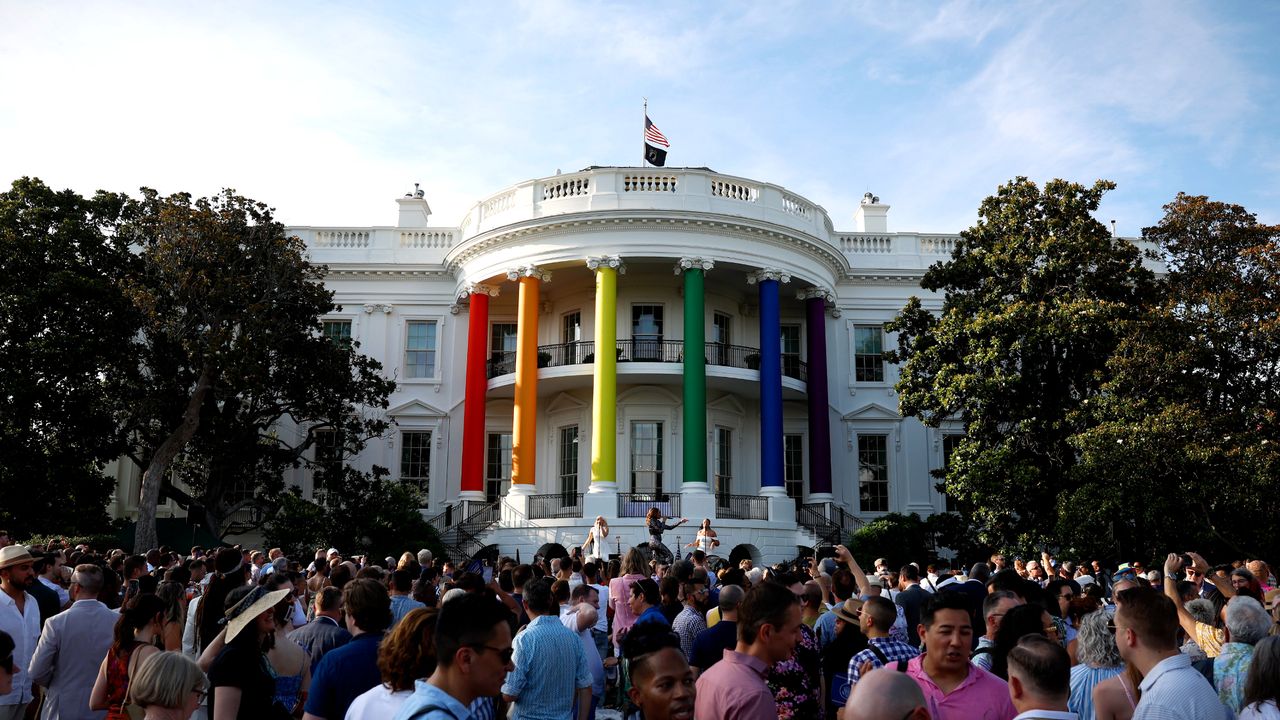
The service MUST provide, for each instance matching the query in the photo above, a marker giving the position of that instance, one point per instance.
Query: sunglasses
(504, 654)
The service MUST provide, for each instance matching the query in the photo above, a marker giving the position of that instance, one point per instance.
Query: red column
(473, 409)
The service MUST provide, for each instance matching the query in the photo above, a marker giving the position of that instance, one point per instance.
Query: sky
(330, 111)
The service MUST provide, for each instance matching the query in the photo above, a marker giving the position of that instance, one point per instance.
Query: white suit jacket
(66, 662)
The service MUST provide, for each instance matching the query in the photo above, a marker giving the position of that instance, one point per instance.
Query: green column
(695, 374)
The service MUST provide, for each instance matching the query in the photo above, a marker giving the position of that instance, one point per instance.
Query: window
(415, 460)
(338, 331)
(873, 473)
(571, 336)
(646, 457)
(949, 444)
(569, 465)
(793, 466)
(497, 466)
(646, 332)
(502, 348)
(722, 337)
(868, 349)
(724, 465)
(420, 349)
(328, 467)
(791, 351)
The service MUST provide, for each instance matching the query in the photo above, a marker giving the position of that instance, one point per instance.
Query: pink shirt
(982, 696)
(734, 689)
(619, 598)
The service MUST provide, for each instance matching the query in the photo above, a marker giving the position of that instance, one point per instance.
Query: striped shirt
(550, 667)
(1173, 690)
(1083, 680)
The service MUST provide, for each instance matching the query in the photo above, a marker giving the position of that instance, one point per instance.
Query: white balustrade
(867, 244)
(566, 187)
(796, 206)
(342, 238)
(735, 190)
(649, 183)
(498, 203)
(426, 239)
(938, 244)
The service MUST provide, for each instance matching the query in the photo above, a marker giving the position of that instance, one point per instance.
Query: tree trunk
(144, 536)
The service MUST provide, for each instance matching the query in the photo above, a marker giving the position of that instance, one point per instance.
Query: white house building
(599, 342)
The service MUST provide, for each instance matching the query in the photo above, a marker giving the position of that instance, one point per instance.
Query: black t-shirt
(243, 666)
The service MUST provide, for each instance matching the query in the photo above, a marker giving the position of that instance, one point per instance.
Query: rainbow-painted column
(604, 388)
(477, 382)
(815, 305)
(524, 433)
(695, 374)
(771, 441)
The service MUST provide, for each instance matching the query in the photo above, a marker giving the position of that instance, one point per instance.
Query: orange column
(524, 434)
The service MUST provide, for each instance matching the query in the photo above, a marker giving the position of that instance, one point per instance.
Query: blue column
(771, 460)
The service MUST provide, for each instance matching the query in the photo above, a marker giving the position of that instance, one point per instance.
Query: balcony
(647, 351)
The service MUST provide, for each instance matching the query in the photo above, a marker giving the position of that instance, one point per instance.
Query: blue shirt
(653, 614)
(550, 666)
(402, 605)
(429, 702)
(825, 629)
(342, 675)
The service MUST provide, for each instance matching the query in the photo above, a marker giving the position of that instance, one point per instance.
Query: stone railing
(426, 238)
(735, 190)
(377, 244)
(342, 238)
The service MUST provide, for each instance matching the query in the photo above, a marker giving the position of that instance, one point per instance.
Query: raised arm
(1224, 586)
(844, 556)
(1172, 564)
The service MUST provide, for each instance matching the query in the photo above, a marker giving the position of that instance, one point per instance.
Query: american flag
(653, 134)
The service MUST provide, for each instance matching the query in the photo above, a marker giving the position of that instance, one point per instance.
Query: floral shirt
(1230, 669)
(796, 683)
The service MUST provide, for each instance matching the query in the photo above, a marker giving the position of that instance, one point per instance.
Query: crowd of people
(240, 633)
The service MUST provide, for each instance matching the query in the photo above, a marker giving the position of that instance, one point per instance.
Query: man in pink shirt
(768, 629)
(954, 687)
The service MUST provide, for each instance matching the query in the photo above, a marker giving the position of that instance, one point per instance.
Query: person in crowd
(662, 683)
(949, 682)
(290, 664)
(594, 546)
(812, 606)
(620, 593)
(1058, 596)
(691, 619)
(768, 629)
(580, 615)
(1247, 623)
(551, 669)
(48, 569)
(878, 616)
(1146, 625)
(669, 597)
(407, 654)
(995, 606)
(71, 647)
(7, 667)
(796, 681)
(1099, 661)
(1262, 686)
(136, 636)
(401, 600)
(230, 572)
(20, 619)
(644, 603)
(1040, 679)
(839, 650)
(599, 633)
(710, 644)
(172, 594)
(241, 679)
(910, 597)
(886, 694)
(169, 686)
(1028, 619)
(325, 632)
(473, 655)
(348, 671)
(843, 587)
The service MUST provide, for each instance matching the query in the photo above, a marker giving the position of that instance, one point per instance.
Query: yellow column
(524, 433)
(604, 392)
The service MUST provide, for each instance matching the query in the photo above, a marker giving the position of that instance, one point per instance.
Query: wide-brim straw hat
(258, 601)
(848, 610)
(11, 555)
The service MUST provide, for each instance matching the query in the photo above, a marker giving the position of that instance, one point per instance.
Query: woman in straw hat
(243, 682)
(137, 634)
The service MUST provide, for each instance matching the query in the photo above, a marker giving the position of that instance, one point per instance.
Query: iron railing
(463, 538)
(741, 507)
(558, 505)
(583, 352)
(830, 523)
(637, 504)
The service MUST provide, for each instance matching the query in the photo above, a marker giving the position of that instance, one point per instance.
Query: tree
(67, 350)
(1031, 301)
(238, 378)
(1188, 419)
(897, 538)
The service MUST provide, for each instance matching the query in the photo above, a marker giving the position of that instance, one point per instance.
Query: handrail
(582, 352)
(555, 505)
(741, 507)
(638, 504)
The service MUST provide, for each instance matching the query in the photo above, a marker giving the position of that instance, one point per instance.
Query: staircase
(830, 524)
(461, 526)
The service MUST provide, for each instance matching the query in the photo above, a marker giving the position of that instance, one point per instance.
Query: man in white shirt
(20, 617)
(71, 648)
(599, 633)
(1146, 633)
(49, 578)
(1040, 679)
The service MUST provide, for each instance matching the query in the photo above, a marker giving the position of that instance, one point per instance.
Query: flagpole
(643, 159)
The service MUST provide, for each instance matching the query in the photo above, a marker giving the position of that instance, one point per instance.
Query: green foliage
(954, 531)
(368, 515)
(1033, 299)
(898, 538)
(67, 345)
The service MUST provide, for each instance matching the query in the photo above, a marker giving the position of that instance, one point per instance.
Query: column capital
(371, 308)
(781, 276)
(814, 293)
(479, 289)
(595, 262)
(529, 271)
(692, 263)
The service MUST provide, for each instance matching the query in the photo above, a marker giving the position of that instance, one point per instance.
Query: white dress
(706, 543)
(596, 552)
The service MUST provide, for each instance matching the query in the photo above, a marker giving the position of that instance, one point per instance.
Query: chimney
(871, 215)
(414, 210)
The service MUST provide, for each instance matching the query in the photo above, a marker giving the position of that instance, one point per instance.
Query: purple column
(819, 414)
